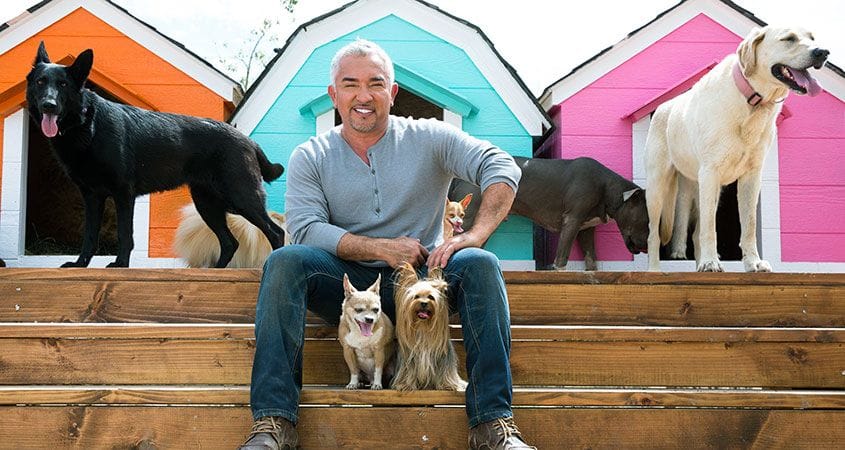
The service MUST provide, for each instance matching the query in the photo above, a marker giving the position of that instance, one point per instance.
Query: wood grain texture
(550, 298)
(537, 363)
(420, 427)
(338, 395)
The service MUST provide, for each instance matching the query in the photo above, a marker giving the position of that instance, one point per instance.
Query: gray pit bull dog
(571, 197)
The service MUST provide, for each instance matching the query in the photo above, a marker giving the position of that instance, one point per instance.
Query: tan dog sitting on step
(426, 358)
(453, 219)
(366, 335)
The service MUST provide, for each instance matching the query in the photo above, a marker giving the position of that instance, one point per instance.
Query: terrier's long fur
(453, 218)
(366, 334)
(197, 245)
(426, 358)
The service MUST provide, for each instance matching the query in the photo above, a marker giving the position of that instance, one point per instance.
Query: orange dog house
(41, 211)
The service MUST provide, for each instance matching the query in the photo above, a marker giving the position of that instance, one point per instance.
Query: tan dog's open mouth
(798, 80)
(365, 327)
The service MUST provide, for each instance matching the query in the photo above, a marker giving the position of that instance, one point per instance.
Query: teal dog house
(446, 68)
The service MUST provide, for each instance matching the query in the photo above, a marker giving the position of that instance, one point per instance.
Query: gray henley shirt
(331, 191)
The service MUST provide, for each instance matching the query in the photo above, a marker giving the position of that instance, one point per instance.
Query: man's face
(362, 94)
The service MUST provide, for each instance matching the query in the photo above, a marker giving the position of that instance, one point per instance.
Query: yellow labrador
(718, 132)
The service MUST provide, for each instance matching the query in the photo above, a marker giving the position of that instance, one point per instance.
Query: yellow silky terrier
(426, 358)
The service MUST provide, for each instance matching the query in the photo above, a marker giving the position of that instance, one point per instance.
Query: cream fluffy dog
(199, 247)
(719, 132)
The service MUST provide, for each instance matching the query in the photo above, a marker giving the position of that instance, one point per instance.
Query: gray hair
(362, 47)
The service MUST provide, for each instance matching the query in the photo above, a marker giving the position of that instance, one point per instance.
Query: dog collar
(751, 96)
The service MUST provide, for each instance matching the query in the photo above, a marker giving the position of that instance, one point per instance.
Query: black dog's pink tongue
(49, 125)
(806, 81)
(366, 328)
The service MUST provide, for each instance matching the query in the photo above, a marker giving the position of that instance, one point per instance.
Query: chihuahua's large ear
(747, 51)
(41, 56)
(347, 286)
(375, 287)
(80, 68)
(465, 201)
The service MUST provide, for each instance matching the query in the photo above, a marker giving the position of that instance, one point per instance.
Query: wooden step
(140, 358)
(551, 298)
(549, 396)
(95, 427)
(540, 356)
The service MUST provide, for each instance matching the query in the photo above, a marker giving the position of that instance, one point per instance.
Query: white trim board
(28, 24)
(642, 39)
(365, 12)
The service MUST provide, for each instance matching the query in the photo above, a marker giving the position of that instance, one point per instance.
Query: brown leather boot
(497, 434)
(271, 433)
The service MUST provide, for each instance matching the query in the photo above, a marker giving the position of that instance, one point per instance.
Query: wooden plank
(557, 333)
(539, 363)
(400, 428)
(511, 277)
(682, 305)
(200, 299)
(337, 395)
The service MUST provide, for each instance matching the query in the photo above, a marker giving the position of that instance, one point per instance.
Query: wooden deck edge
(559, 333)
(515, 277)
(337, 396)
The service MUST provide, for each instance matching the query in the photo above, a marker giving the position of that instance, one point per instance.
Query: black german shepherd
(119, 151)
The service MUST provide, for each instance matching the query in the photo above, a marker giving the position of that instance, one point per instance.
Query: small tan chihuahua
(366, 334)
(453, 218)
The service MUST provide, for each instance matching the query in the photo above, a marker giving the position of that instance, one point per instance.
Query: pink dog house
(602, 109)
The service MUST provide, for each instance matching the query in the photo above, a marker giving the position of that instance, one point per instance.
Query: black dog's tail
(269, 171)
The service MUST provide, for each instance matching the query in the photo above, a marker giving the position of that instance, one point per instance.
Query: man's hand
(440, 256)
(496, 201)
(404, 249)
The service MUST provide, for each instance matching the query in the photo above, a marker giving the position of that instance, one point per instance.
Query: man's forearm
(496, 202)
(353, 247)
(392, 251)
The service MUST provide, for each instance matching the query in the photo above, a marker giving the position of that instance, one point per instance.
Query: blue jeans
(299, 278)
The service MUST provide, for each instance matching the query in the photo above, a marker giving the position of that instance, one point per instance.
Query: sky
(523, 32)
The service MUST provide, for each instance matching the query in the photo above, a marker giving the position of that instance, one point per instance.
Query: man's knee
(289, 256)
(477, 259)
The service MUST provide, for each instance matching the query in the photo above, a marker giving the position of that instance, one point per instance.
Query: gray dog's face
(783, 56)
(632, 220)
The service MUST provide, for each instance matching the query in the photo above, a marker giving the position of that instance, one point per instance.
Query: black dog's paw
(73, 264)
(118, 264)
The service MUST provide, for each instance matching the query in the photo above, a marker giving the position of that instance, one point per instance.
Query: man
(361, 199)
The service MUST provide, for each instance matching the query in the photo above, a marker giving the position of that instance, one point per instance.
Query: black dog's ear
(41, 56)
(80, 68)
(628, 194)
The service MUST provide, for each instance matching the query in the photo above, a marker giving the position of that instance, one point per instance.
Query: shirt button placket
(375, 188)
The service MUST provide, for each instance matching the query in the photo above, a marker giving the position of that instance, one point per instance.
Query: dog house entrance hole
(727, 229)
(408, 104)
(55, 214)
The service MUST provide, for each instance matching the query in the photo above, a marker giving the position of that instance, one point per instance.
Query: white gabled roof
(361, 13)
(47, 13)
(724, 12)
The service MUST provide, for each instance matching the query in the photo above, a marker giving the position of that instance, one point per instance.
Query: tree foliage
(246, 59)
